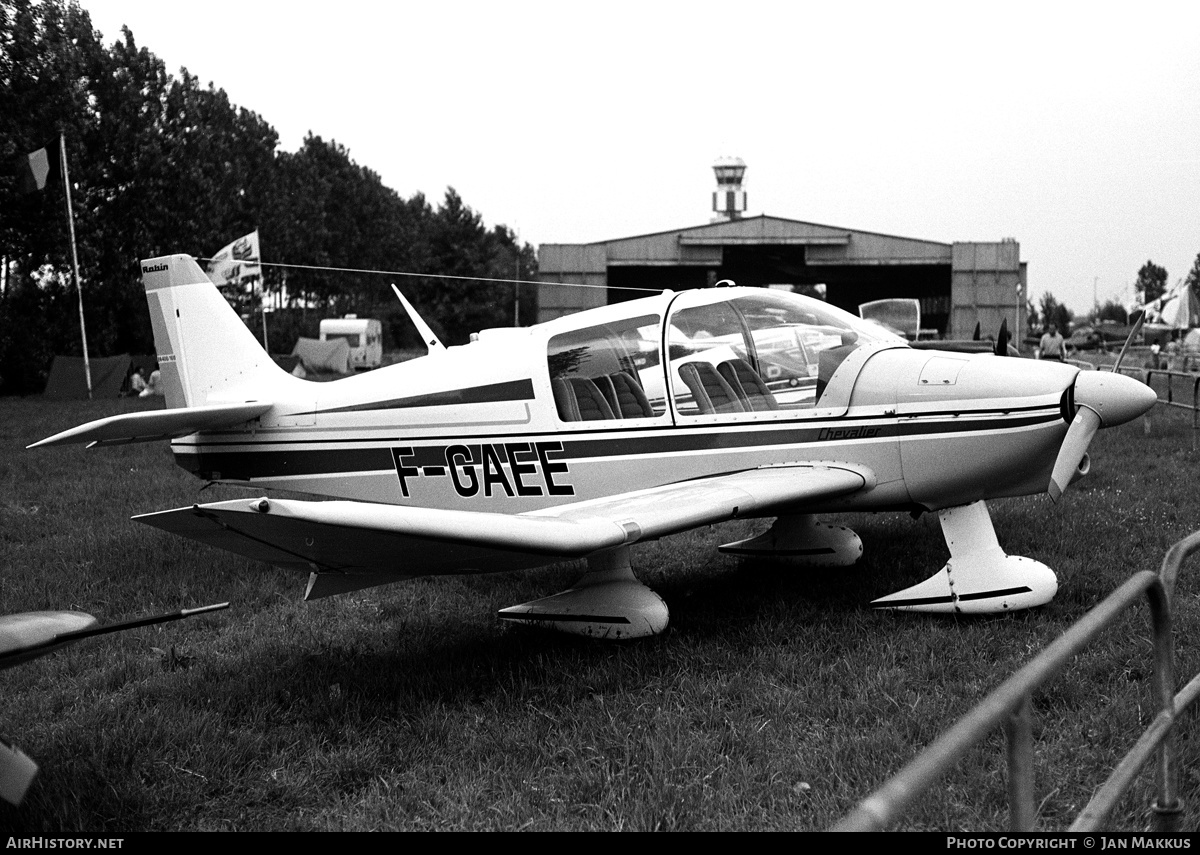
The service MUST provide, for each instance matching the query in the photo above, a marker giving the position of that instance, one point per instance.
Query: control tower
(729, 199)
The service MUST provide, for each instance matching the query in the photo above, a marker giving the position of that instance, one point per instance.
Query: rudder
(205, 353)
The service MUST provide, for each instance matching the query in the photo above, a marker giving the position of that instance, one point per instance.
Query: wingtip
(50, 440)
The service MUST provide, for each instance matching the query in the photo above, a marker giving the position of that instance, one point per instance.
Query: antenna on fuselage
(427, 335)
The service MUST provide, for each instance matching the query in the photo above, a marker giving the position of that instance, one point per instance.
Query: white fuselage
(476, 428)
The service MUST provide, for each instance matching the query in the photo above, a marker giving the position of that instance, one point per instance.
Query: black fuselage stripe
(512, 390)
(598, 429)
(253, 461)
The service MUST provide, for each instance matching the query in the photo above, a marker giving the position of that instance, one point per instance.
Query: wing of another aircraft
(355, 545)
(29, 635)
(157, 424)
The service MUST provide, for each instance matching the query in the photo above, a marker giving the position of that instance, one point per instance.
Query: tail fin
(205, 352)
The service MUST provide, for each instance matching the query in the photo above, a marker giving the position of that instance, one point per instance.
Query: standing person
(1173, 352)
(1052, 345)
(137, 383)
(152, 387)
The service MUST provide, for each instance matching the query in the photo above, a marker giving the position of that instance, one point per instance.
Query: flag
(34, 170)
(1176, 308)
(238, 264)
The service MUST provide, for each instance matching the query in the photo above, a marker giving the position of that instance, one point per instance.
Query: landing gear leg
(800, 540)
(979, 578)
(607, 602)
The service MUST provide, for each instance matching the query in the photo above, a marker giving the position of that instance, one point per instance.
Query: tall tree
(1193, 277)
(50, 59)
(1054, 313)
(162, 164)
(1151, 282)
(334, 213)
(1113, 311)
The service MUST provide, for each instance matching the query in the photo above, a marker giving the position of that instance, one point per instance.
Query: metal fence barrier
(1183, 378)
(1008, 706)
(1173, 378)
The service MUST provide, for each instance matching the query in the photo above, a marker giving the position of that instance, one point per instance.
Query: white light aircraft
(583, 436)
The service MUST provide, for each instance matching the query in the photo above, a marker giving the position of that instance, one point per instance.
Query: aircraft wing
(353, 545)
(157, 424)
(659, 511)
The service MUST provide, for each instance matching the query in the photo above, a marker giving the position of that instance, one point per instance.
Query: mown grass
(775, 701)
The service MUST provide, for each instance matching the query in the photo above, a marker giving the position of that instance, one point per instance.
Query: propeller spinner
(1103, 400)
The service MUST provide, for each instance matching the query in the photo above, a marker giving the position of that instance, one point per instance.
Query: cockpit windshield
(762, 351)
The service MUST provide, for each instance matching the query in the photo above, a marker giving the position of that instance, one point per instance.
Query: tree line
(1151, 284)
(160, 164)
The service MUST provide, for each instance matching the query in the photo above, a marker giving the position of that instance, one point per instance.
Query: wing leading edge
(352, 545)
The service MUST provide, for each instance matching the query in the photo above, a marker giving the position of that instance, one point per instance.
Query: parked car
(1087, 338)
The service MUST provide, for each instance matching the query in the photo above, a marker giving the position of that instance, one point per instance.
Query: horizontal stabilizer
(369, 544)
(157, 424)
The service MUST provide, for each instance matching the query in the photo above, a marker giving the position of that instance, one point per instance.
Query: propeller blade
(1128, 341)
(1074, 448)
(1002, 339)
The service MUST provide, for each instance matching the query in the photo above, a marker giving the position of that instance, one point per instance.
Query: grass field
(775, 701)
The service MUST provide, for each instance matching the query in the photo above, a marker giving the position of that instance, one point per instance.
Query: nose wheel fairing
(979, 578)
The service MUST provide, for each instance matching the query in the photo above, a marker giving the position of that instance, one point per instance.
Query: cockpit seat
(748, 385)
(709, 390)
(626, 396)
(580, 400)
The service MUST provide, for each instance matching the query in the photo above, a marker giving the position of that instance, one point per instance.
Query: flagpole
(262, 297)
(87, 365)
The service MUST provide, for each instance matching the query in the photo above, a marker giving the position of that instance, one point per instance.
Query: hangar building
(957, 284)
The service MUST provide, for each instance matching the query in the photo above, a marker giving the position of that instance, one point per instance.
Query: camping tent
(68, 380)
(323, 356)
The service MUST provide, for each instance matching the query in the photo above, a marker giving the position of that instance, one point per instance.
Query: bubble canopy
(711, 352)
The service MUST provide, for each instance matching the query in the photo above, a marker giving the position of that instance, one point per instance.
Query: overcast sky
(1072, 127)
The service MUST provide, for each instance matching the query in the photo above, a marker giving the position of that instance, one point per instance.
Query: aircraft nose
(1115, 398)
